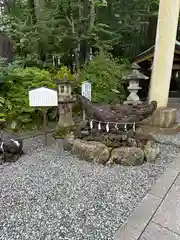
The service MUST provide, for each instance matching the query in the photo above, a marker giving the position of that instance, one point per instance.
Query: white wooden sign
(86, 90)
(43, 97)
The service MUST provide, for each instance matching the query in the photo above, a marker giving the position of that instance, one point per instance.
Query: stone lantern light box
(64, 89)
(133, 78)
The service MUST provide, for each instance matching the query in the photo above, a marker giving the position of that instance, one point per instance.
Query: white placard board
(43, 97)
(86, 90)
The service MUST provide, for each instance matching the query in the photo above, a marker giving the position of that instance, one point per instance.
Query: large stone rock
(68, 142)
(91, 151)
(81, 129)
(151, 152)
(170, 117)
(162, 117)
(127, 156)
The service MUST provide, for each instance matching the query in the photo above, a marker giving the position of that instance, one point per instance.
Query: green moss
(62, 132)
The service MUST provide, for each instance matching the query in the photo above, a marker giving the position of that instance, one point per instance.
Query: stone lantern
(133, 78)
(64, 90)
(65, 100)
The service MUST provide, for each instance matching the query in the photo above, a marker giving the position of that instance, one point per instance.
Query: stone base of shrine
(134, 152)
(147, 130)
(163, 121)
(162, 117)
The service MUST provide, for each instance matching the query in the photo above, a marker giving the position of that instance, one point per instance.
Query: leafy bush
(2, 114)
(62, 73)
(15, 92)
(105, 74)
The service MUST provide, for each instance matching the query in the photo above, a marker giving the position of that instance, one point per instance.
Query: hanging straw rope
(114, 123)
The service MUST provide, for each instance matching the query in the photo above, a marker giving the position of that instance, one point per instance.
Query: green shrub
(105, 74)
(2, 113)
(15, 92)
(62, 73)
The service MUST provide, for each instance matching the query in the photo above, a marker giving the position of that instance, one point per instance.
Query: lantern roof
(135, 66)
(134, 74)
(63, 81)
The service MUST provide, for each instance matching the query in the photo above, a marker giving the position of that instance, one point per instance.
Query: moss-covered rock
(91, 151)
(127, 156)
(62, 132)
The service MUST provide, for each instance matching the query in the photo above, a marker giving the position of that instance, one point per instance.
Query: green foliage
(63, 132)
(15, 93)
(105, 74)
(2, 114)
(66, 31)
(62, 73)
(65, 27)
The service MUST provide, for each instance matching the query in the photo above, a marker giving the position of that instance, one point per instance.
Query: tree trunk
(84, 31)
(152, 30)
(39, 9)
(91, 24)
(77, 49)
(31, 6)
(6, 48)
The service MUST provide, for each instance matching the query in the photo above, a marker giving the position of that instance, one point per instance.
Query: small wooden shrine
(145, 61)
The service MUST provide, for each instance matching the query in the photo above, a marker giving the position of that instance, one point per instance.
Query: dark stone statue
(11, 147)
(117, 114)
(111, 125)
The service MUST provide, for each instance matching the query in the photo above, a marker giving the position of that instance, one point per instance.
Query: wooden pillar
(164, 51)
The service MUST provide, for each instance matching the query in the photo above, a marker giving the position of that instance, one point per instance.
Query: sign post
(86, 92)
(45, 124)
(43, 97)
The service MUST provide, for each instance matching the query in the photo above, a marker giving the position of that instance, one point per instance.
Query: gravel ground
(49, 195)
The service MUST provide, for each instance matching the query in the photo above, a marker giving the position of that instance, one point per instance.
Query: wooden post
(45, 125)
(164, 51)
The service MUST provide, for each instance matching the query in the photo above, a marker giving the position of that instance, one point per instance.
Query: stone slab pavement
(158, 216)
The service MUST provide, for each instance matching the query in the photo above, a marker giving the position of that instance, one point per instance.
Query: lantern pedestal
(65, 124)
